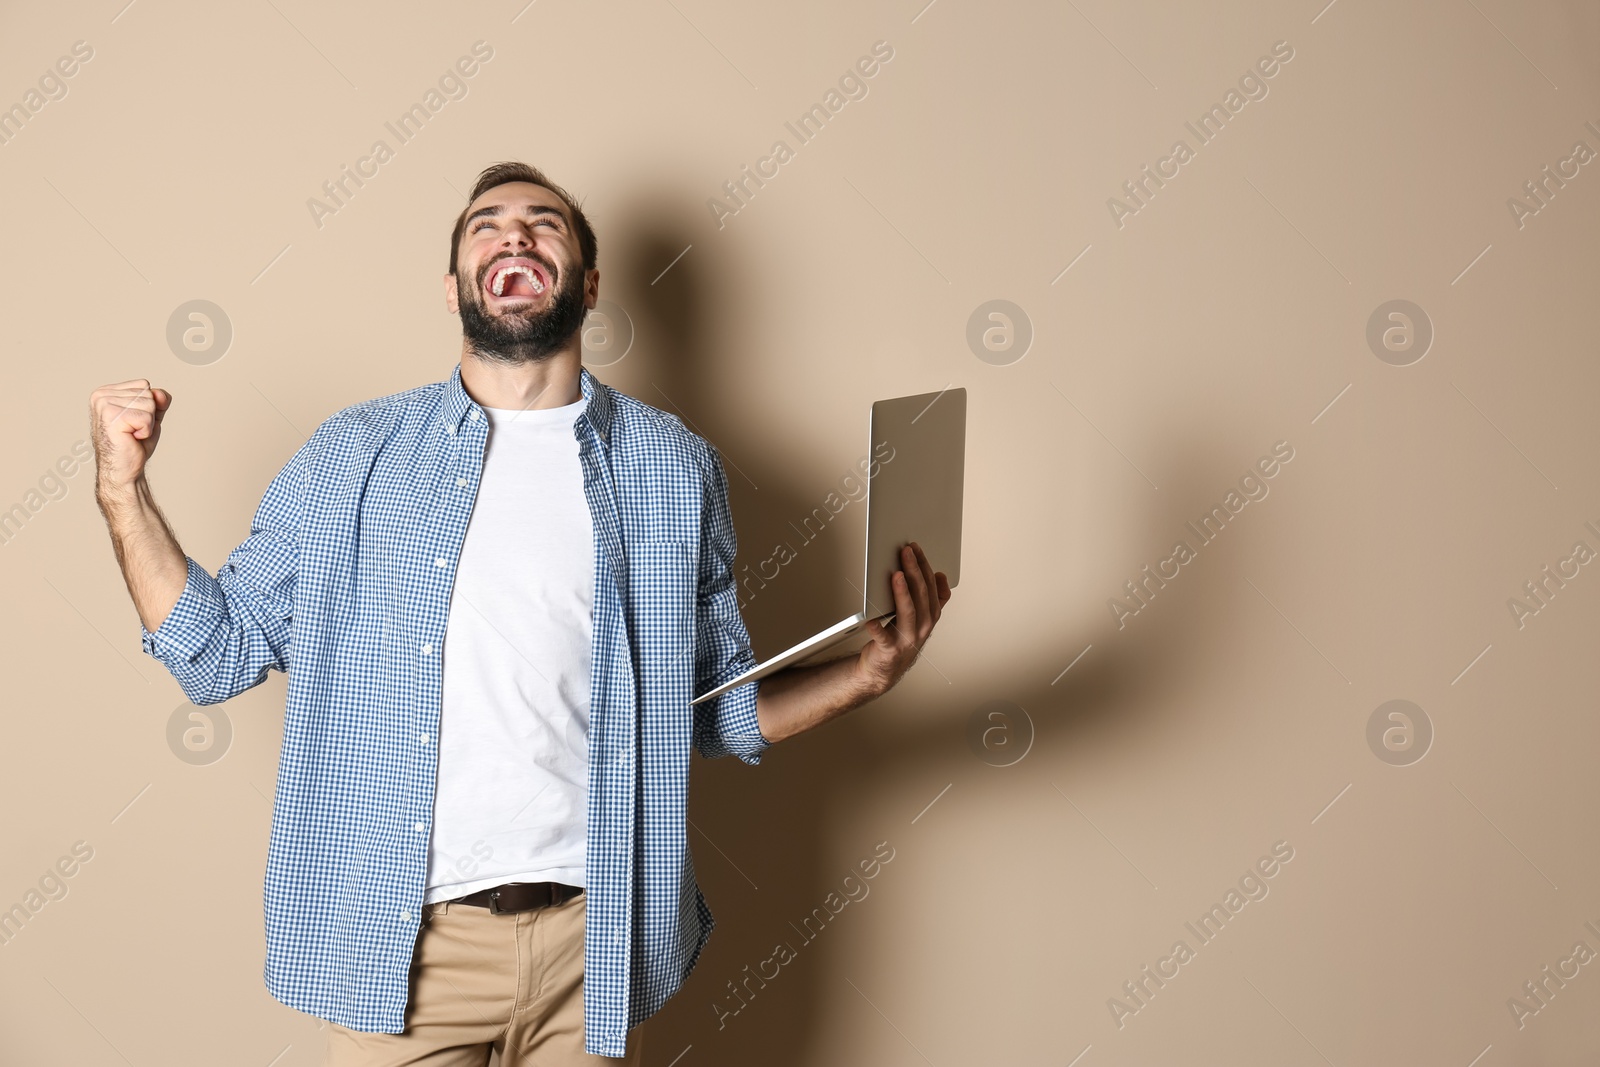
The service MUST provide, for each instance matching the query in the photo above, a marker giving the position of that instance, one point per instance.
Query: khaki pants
(510, 982)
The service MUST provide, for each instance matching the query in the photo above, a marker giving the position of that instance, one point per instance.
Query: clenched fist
(125, 423)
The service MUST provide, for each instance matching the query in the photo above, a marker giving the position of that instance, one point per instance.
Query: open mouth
(516, 279)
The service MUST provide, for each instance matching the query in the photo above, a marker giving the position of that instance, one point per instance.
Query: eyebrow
(496, 210)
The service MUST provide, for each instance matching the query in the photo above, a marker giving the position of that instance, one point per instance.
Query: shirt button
(449, 429)
(423, 739)
(461, 483)
(406, 915)
(441, 562)
(473, 415)
(418, 827)
(427, 650)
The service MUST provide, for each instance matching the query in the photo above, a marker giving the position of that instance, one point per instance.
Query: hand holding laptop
(920, 594)
(916, 488)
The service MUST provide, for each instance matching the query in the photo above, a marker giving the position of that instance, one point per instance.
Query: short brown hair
(504, 173)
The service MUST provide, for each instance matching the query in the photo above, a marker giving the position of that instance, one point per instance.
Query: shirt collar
(598, 410)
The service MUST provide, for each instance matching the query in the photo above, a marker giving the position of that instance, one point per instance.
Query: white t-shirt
(513, 746)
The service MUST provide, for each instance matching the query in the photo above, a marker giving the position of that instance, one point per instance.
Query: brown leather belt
(520, 896)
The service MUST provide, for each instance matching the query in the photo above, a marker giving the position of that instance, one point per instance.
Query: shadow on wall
(770, 858)
(678, 324)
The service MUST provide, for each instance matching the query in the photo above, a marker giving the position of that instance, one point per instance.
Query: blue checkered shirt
(344, 583)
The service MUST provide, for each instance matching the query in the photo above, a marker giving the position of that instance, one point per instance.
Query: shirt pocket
(662, 588)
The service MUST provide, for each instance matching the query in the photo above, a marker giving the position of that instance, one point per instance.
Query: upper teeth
(499, 286)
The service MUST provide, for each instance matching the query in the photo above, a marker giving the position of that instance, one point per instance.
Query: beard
(516, 336)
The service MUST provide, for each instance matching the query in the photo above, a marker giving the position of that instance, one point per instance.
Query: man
(498, 594)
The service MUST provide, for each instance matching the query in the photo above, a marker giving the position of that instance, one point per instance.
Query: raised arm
(125, 425)
(217, 635)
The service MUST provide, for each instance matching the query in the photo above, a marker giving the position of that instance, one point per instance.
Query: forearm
(153, 565)
(797, 699)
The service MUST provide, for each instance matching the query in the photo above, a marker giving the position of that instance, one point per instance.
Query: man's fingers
(905, 614)
(920, 579)
(130, 421)
(116, 400)
(919, 592)
(131, 406)
(131, 385)
(123, 405)
(120, 392)
(916, 580)
(929, 585)
(880, 634)
(136, 416)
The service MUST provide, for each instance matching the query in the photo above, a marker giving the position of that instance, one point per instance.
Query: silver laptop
(914, 495)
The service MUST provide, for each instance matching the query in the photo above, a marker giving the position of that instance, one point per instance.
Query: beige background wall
(1159, 760)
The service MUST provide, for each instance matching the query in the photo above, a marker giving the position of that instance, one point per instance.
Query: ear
(591, 288)
(451, 300)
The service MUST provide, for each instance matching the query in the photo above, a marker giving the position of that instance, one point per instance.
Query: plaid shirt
(344, 583)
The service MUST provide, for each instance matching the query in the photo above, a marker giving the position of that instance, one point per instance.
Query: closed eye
(481, 223)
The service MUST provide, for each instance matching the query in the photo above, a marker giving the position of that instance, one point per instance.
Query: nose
(516, 235)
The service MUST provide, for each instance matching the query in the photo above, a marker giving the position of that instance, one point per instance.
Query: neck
(545, 383)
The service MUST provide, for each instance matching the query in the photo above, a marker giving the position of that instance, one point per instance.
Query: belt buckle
(494, 899)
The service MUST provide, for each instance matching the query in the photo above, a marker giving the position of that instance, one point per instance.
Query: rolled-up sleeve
(727, 724)
(227, 631)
